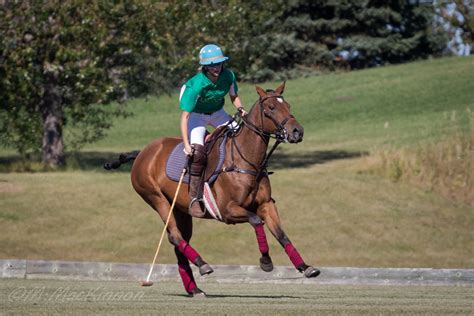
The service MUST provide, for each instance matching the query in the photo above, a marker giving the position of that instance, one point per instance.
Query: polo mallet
(148, 282)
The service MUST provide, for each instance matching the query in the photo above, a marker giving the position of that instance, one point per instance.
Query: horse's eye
(271, 107)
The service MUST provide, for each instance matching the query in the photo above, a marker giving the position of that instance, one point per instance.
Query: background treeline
(281, 39)
(61, 62)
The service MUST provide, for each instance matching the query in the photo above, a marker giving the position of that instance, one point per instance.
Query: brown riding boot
(198, 163)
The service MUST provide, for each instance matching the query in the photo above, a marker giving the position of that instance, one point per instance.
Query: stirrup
(196, 200)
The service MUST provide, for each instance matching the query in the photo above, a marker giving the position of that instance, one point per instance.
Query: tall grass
(445, 166)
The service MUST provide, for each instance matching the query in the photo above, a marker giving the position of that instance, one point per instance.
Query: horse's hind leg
(185, 272)
(185, 225)
(270, 214)
(179, 235)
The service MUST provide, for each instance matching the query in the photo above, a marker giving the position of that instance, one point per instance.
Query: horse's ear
(281, 88)
(260, 91)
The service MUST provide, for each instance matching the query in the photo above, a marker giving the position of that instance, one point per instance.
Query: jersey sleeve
(233, 87)
(188, 98)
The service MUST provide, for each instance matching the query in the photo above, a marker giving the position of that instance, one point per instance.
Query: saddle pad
(175, 164)
(177, 159)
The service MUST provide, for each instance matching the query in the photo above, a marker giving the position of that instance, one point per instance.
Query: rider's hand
(242, 111)
(188, 150)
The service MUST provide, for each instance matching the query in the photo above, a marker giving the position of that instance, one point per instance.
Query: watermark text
(68, 294)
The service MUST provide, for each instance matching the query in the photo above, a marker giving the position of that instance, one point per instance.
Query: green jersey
(199, 94)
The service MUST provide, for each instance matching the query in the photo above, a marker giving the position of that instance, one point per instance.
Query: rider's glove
(242, 111)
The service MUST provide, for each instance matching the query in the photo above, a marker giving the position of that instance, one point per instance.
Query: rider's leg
(220, 118)
(197, 131)
(198, 164)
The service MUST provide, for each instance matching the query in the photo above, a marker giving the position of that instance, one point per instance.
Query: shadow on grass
(211, 296)
(85, 161)
(308, 158)
(94, 161)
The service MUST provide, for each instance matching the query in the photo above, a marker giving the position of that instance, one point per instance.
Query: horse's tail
(123, 158)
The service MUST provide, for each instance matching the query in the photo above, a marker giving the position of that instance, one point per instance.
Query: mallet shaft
(166, 224)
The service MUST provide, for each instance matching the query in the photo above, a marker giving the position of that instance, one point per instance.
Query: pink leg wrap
(187, 277)
(294, 255)
(188, 251)
(261, 238)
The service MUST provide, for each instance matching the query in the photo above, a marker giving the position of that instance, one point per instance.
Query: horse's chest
(244, 197)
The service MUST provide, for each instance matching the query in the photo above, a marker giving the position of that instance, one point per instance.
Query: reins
(280, 135)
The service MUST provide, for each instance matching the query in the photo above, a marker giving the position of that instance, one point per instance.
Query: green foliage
(371, 32)
(89, 54)
(71, 59)
(239, 27)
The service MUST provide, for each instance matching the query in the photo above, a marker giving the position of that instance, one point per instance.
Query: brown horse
(242, 190)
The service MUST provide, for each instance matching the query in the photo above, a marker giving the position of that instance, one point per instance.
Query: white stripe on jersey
(182, 91)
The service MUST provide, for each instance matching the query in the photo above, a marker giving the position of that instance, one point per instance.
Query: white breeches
(197, 124)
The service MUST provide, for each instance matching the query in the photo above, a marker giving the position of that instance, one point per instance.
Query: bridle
(280, 134)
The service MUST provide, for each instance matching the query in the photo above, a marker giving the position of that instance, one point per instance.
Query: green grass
(166, 298)
(335, 213)
(349, 110)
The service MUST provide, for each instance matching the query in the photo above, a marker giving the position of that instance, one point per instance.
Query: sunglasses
(214, 65)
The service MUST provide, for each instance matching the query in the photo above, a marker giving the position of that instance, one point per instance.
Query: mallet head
(146, 283)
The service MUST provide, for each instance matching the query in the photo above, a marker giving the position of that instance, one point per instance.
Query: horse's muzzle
(296, 134)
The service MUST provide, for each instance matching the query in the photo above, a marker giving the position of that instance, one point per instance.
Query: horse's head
(271, 114)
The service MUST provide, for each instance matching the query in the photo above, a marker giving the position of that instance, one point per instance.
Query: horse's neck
(251, 148)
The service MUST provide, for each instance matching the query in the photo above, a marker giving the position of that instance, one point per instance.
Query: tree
(318, 34)
(238, 26)
(64, 62)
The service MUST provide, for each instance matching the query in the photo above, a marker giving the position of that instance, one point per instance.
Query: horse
(242, 190)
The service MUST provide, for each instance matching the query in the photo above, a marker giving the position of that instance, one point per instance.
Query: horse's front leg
(269, 213)
(236, 214)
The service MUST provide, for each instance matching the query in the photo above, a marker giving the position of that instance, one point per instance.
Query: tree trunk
(53, 119)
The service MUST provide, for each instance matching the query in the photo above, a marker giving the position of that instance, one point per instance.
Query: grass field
(126, 298)
(335, 212)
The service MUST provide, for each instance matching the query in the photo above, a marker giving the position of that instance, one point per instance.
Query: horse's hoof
(266, 263)
(197, 293)
(311, 272)
(205, 269)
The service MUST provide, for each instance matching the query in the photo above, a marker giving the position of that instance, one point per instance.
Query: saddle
(177, 158)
